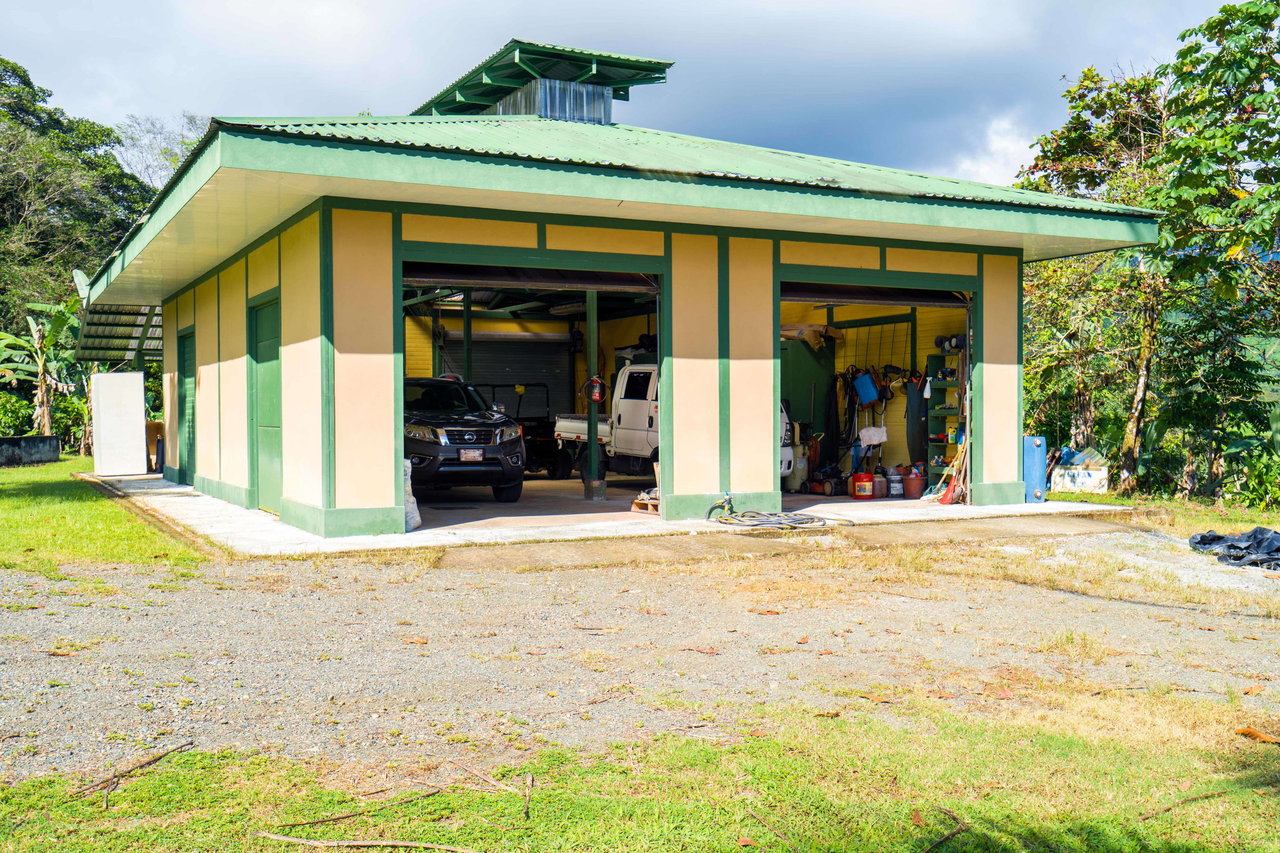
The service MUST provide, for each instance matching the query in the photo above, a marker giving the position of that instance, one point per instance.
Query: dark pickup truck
(452, 437)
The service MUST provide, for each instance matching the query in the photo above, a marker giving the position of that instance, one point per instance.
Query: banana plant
(45, 356)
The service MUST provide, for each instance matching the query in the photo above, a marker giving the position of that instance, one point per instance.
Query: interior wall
(881, 345)
(616, 333)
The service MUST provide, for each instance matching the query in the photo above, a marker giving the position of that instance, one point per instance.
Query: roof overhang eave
(311, 169)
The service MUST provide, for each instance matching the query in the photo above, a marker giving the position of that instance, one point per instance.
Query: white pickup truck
(628, 438)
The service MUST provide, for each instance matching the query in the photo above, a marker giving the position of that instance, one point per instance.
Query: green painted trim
(542, 235)
(265, 151)
(251, 386)
(467, 353)
(271, 234)
(999, 494)
(658, 225)
(541, 258)
(723, 349)
(777, 365)
(266, 296)
(884, 320)
(694, 507)
(976, 427)
(189, 329)
(332, 523)
(232, 494)
(397, 336)
(192, 174)
(666, 416)
(880, 278)
(173, 475)
(1021, 413)
(327, 402)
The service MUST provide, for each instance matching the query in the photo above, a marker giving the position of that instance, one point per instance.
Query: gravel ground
(368, 663)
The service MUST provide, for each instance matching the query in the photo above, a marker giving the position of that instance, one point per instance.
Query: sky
(958, 88)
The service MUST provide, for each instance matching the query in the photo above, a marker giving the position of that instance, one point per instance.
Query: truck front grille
(469, 437)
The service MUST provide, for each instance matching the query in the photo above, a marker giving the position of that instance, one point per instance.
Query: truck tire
(509, 493)
(601, 465)
(561, 466)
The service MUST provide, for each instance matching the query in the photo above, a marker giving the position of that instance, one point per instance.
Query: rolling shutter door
(517, 363)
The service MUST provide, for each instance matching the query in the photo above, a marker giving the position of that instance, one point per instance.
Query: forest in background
(1165, 358)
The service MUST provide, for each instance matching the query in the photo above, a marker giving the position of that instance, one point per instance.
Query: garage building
(298, 269)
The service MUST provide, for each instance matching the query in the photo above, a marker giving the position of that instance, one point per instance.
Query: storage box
(1069, 478)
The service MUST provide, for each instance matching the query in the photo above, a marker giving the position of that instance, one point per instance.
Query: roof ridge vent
(546, 80)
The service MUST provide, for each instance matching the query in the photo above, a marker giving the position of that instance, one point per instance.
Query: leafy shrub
(15, 415)
(1258, 483)
(70, 417)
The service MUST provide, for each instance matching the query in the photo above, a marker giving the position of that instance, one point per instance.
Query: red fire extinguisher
(595, 389)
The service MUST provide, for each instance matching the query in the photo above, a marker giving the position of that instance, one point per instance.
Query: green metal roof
(519, 61)
(652, 152)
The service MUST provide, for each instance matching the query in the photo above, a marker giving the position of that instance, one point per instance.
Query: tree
(1108, 150)
(1199, 140)
(64, 198)
(45, 356)
(152, 147)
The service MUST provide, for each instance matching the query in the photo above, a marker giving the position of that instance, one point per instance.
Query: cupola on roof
(523, 67)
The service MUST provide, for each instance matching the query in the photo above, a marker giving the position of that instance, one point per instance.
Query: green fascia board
(199, 167)
(398, 165)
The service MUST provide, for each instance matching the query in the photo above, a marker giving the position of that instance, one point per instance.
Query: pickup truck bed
(574, 428)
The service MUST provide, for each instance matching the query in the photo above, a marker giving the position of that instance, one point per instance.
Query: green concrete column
(593, 477)
(466, 335)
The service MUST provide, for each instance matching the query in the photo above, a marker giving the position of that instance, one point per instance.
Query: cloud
(996, 159)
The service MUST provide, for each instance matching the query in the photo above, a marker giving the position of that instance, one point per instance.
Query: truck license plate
(471, 455)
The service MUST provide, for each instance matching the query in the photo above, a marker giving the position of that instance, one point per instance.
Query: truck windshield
(441, 397)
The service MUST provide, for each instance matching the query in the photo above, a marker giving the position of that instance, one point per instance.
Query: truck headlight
(423, 433)
(510, 433)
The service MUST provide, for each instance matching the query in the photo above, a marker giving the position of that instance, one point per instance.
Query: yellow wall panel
(929, 260)
(829, 255)
(169, 325)
(186, 309)
(753, 420)
(207, 418)
(1001, 415)
(476, 232)
(574, 238)
(366, 471)
(264, 267)
(233, 376)
(300, 362)
(695, 371)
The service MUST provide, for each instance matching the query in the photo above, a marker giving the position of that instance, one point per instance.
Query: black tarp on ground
(1259, 547)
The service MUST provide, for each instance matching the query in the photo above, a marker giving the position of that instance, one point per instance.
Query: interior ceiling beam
(513, 284)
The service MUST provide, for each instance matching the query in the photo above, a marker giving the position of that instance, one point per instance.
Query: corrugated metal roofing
(120, 333)
(653, 151)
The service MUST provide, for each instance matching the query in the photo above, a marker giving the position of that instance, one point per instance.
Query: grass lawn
(1181, 517)
(1067, 771)
(50, 521)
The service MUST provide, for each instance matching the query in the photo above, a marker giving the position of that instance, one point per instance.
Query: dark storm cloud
(943, 86)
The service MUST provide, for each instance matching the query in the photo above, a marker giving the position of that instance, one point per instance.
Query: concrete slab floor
(549, 510)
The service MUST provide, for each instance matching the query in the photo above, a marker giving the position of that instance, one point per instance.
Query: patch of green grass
(1179, 516)
(49, 520)
(1078, 781)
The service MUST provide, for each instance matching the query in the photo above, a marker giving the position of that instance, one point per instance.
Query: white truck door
(633, 418)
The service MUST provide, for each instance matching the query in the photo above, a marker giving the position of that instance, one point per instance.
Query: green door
(186, 409)
(265, 405)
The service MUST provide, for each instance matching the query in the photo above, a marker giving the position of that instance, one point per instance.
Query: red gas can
(862, 487)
